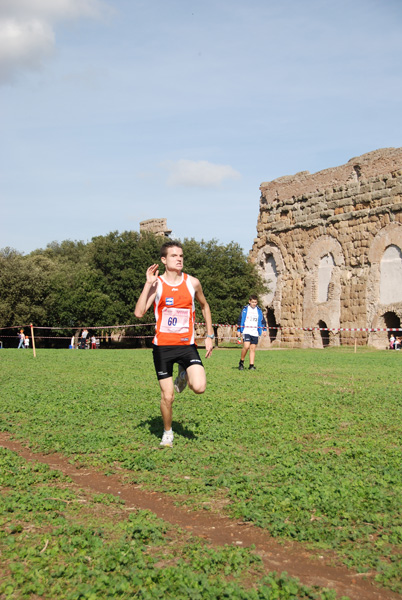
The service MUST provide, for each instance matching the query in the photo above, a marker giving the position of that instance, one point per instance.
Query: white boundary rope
(114, 327)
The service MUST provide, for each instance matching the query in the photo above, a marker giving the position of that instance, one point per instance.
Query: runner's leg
(167, 397)
(196, 379)
(252, 353)
(244, 350)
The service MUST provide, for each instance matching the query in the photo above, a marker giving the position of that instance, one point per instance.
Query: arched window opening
(324, 333)
(271, 276)
(272, 325)
(392, 321)
(391, 276)
(325, 269)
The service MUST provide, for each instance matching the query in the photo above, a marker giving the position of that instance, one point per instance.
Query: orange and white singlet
(174, 313)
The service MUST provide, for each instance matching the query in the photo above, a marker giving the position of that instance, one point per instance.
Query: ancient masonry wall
(156, 226)
(330, 244)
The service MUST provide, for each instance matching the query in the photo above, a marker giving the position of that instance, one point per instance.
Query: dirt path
(219, 530)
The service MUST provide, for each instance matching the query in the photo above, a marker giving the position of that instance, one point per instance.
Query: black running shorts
(166, 356)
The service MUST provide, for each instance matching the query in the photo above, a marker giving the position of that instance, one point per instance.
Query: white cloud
(23, 45)
(51, 9)
(189, 173)
(27, 35)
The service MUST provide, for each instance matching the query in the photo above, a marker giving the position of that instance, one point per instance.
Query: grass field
(308, 447)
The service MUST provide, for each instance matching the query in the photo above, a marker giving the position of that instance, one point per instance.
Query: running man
(172, 295)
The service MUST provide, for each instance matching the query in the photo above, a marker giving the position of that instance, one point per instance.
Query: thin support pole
(33, 340)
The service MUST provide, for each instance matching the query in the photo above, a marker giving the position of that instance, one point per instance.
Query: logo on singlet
(169, 301)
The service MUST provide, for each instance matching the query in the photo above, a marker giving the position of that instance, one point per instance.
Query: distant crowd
(395, 343)
(85, 341)
(23, 339)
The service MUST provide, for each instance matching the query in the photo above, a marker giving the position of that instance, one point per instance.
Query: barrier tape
(316, 328)
(69, 328)
(290, 328)
(62, 337)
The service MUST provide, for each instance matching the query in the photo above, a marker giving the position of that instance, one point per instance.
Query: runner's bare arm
(206, 313)
(148, 293)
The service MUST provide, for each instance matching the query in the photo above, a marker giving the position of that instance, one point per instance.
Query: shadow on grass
(155, 426)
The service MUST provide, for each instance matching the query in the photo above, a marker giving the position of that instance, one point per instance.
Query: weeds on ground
(56, 542)
(308, 446)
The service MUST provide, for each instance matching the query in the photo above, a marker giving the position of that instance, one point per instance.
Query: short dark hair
(253, 297)
(170, 244)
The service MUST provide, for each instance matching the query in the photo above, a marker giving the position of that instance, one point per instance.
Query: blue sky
(113, 112)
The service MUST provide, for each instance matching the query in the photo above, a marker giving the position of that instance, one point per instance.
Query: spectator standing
(84, 336)
(21, 336)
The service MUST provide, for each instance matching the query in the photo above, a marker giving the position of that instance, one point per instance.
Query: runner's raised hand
(152, 273)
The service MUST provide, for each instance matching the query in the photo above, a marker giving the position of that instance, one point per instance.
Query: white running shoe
(181, 380)
(167, 439)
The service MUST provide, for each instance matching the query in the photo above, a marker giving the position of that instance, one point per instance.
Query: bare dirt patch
(218, 529)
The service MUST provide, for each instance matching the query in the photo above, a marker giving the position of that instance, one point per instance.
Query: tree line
(75, 284)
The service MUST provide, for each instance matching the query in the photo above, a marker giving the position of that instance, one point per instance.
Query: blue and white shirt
(251, 321)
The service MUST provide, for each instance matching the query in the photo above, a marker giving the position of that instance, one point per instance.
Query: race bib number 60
(175, 320)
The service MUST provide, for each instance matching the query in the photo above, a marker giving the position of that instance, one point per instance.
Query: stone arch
(391, 320)
(322, 294)
(320, 247)
(325, 268)
(391, 275)
(271, 266)
(391, 234)
(324, 333)
(272, 325)
(385, 263)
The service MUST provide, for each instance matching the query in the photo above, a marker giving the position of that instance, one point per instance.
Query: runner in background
(251, 324)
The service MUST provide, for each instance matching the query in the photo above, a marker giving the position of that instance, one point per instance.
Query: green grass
(307, 447)
(56, 542)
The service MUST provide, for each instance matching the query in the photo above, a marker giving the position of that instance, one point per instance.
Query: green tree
(69, 301)
(72, 284)
(25, 283)
(226, 275)
(119, 262)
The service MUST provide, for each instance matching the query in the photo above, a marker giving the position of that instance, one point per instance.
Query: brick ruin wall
(156, 226)
(329, 244)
